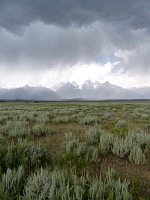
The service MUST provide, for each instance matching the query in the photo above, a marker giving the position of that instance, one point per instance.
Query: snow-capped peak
(59, 85)
(108, 85)
(75, 84)
(88, 84)
(97, 84)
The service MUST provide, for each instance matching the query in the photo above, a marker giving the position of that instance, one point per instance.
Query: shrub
(122, 147)
(59, 120)
(28, 154)
(137, 156)
(76, 148)
(71, 143)
(12, 183)
(17, 129)
(40, 130)
(92, 136)
(107, 116)
(121, 124)
(3, 120)
(28, 116)
(136, 115)
(87, 120)
(2, 140)
(36, 155)
(109, 188)
(106, 142)
(62, 184)
(69, 136)
(92, 155)
(43, 117)
(38, 185)
(132, 146)
(145, 117)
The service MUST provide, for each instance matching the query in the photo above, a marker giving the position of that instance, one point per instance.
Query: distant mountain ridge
(145, 91)
(29, 93)
(88, 90)
(95, 90)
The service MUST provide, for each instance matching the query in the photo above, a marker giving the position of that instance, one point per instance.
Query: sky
(44, 42)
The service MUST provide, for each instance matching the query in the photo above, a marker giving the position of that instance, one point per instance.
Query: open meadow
(75, 150)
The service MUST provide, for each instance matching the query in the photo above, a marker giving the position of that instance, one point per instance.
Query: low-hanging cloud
(50, 46)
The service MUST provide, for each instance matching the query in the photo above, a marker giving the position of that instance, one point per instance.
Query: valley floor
(75, 150)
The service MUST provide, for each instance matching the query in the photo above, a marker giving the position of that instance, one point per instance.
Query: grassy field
(82, 150)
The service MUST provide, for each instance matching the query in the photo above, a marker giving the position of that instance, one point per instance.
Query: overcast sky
(43, 42)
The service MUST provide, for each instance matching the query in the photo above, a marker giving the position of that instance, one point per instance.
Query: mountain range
(88, 91)
(28, 93)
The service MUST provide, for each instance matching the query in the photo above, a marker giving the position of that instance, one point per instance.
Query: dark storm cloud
(16, 13)
(48, 46)
(139, 59)
(46, 33)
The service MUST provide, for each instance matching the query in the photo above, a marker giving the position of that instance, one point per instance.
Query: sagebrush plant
(92, 154)
(12, 183)
(50, 115)
(74, 147)
(141, 138)
(106, 142)
(3, 120)
(17, 129)
(132, 146)
(40, 130)
(137, 156)
(36, 155)
(71, 142)
(92, 136)
(59, 120)
(29, 154)
(88, 119)
(135, 115)
(63, 184)
(28, 116)
(121, 124)
(43, 117)
(122, 147)
(145, 116)
(81, 149)
(38, 186)
(70, 136)
(107, 116)
(2, 139)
